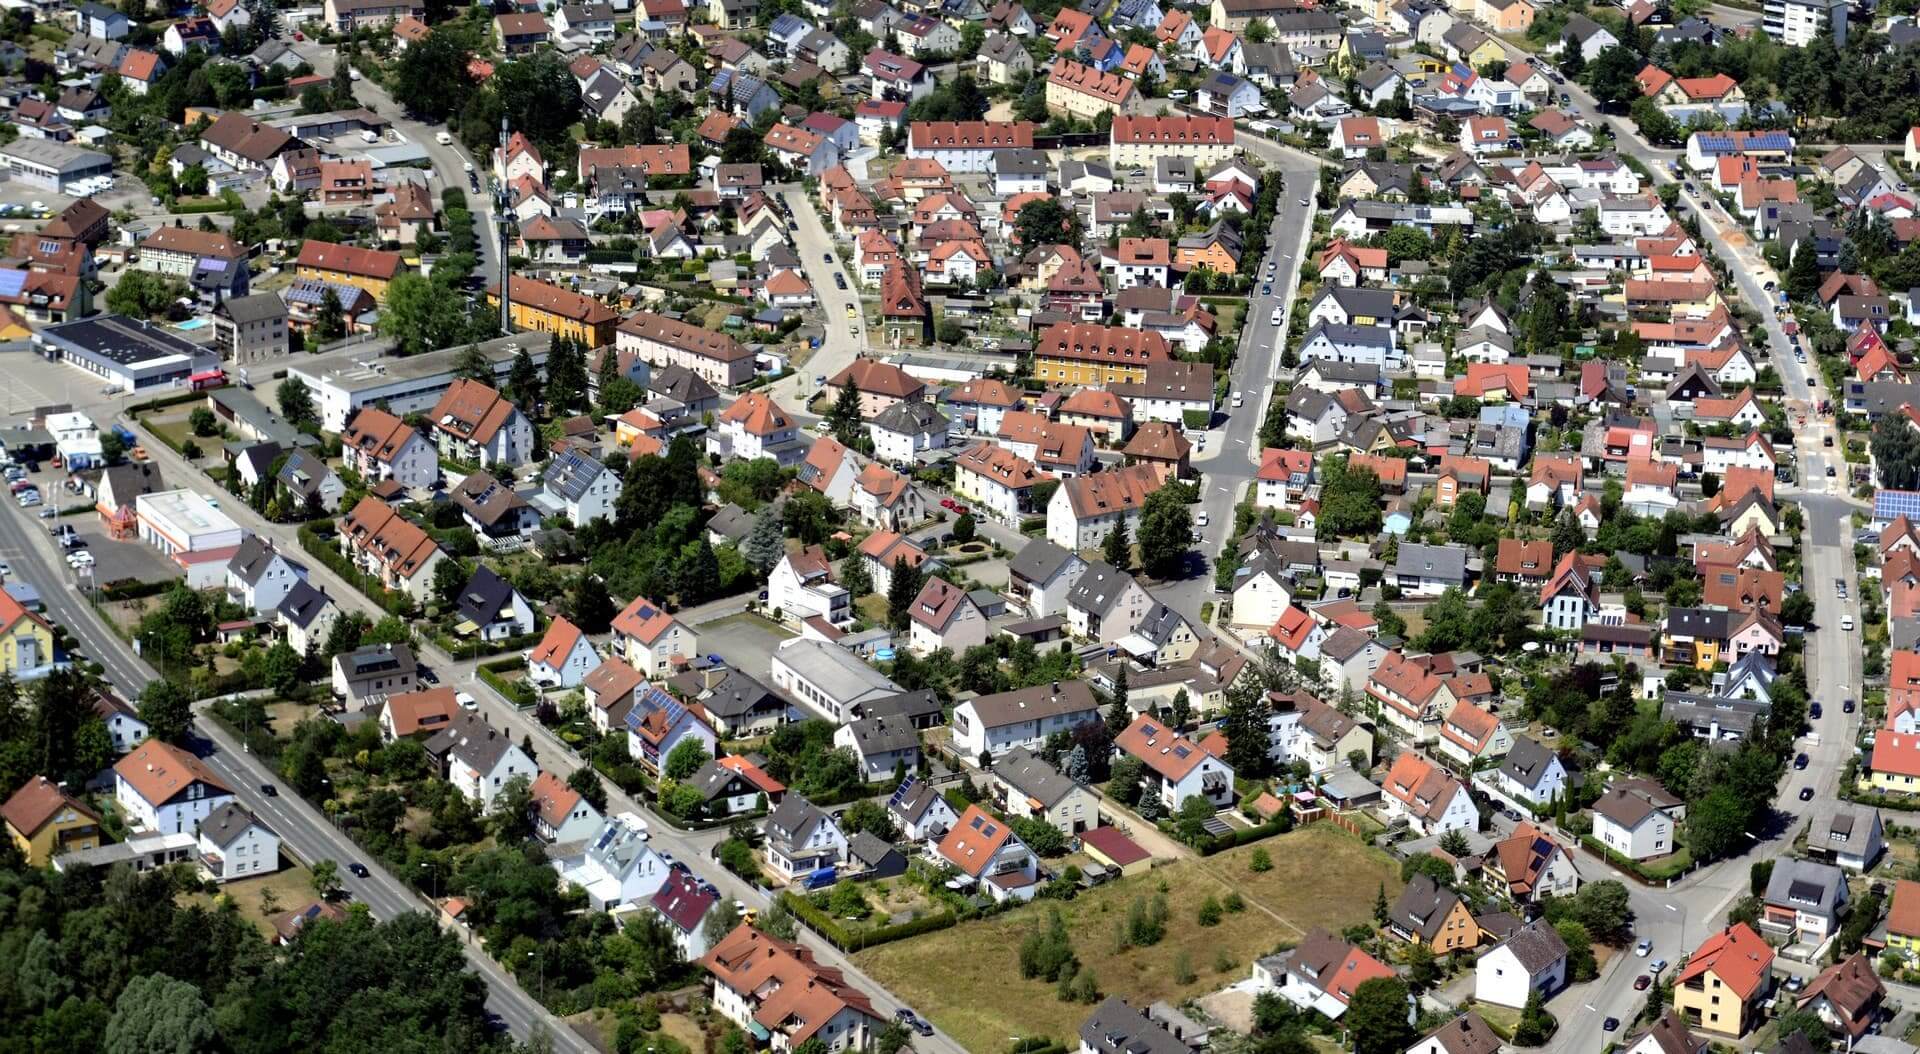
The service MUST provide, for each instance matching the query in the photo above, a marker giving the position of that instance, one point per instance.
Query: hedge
(320, 547)
(516, 692)
(163, 403)
(836, 935)
(1661, 874)
(476, 649)
(1223, 842)
(132, 588)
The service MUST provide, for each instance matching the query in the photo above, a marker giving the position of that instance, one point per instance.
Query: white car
(1236, 400)
(80, 559)
(1200, 518)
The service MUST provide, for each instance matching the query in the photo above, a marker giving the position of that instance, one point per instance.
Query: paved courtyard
(746, 640)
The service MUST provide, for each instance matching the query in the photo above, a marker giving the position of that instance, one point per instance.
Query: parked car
(1846, 706)
(1642, 983)
(1644, 948)
(1800, 761)
(1806, 794)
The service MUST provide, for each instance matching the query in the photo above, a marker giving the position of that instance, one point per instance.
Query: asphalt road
(1677, 918)
(817, 247)
(303, 829)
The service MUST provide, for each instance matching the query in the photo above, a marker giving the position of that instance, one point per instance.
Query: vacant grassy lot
(292, 888)
(967, 979)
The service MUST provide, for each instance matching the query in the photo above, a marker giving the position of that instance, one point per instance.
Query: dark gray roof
(484, 596)
(1116, 1028)
(1807, 886)
(878, 735)
(1099, 587)
(1160, 623)
(911, 417)
(1423, 906)
(715, 781)
(303, 603)
(228, 822)
(303, 473)
(256, 307)
(1020, 769)
(1437, 561)
(1039, 560)
(252, 559)
(1526, 762)
(793, 821)
(1537, 946)
(869, 848)
(377, 658)
(1040, 701)
(471, 739)
(738, 695)
(571, 473)
(908, 707)
(1357, 301)
(913, 798)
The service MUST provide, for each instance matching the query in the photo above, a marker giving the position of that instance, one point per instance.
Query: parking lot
(747, 641)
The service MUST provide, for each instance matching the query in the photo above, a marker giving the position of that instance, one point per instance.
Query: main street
(302, 827)
(1677, 918)
(553, 754)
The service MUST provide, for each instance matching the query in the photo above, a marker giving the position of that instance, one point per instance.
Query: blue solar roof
(1888, 504)
(12, 282)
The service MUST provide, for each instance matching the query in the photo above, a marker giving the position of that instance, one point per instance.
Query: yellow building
(1084, 92)
(1724, 982)
(1085, 353)
(42, 820)
(1894, 768)
(26, 640)
(1903, 919)
(368, 269)
(562, 312)
(1488, 50)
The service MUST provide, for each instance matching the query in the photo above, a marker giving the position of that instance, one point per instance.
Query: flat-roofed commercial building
(129, 353)
(52, 165)
(189, 529)
(346, 380)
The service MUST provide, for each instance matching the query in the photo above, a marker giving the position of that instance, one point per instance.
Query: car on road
(1642, 983)
(1266, 290)
(1303, 203)
(1644, 948)
(1656, 967)
(1611, 1024)
(359, 869)
(1800, 761)
(1846, 705)
(1237, 400)
(923, 1026)
(948, 503)
(826, 258)
(269, 790)
(851, 313)
(49, 513)
(1806, 794)
(1830, 471)
(1565, 99)
(1201, 517)
(1275, 318)
(1814, 711)
(80, 559)
(839, 280)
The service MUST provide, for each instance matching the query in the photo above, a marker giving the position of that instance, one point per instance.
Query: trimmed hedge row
(1645, 874)
(320, 547)
(1223, 842)
(133, 588)
(835, 934)
(516, 692)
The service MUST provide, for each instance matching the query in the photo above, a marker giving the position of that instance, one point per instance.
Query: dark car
(269, 790)
(826, 258)
(359, 869)
(1830, 470)
(1800, 761)
(1814, 711)
(923, 1026)
(427, 675)
(904, 1014)
(1642, 983)
(1610, 1024)
(1806, 794)
(1846, 707)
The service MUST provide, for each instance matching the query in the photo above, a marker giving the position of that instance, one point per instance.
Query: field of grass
(967, 979)
(292, 888)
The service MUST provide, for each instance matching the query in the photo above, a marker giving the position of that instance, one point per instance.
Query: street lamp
(541, 964)
(427, 866)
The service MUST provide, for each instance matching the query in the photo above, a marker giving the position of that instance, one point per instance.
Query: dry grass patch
(967, 979)
(292, 887)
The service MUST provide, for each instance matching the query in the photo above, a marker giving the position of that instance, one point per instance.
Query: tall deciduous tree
(165, 711)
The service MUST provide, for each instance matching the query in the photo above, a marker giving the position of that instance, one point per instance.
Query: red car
(948, 503)
(960, 510)
(1642, 983)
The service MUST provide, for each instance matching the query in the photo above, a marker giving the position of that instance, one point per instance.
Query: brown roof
(1852, 988)
(982, 135)
(1172, 130)
(1107, 87)
(1158, 441)
(1169, 754)
(160, 772)
(348, 260)
(1001, 465)
(1532, 559)
(376, 433)
(785, 988)
(1087, 342)
(973, 841)
(399, 543)
(423, 711)
(194, 242)
(879, 378)
(557, 644)
(1737, 955)
(471, 410)
(38, 801)
(938, 602)
(557, 301)
(692, 339)
(758, 414)
(1116, 490)
(521, 25)
(1466, 1034)
(1903, 918)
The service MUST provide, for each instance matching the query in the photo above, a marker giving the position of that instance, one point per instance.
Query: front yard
(967, 978)
(286, 889)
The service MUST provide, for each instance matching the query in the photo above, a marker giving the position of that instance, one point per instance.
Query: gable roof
(159, 772)
(1737, 955)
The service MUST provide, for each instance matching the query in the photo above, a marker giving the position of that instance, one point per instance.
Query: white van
(466, 701)
(443, 137)
(1846, 623)
(1275, 320)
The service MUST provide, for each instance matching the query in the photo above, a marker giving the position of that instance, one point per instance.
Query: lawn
(292, 888)
(967, 979)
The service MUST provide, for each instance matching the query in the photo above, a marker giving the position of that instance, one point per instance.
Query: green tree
(843, 419)
(963, 528)
(296, 402)
(590, 607)
(1611, 76)
(325, 878)
(686, 758)
(523, 382)
(165, 710)
(330, 323)
(1047, 221)
(1376, 1017)
(586, 782)
(1166, 530)
(1117, 549)
(1536, 1026)
(420, 315)
(854, 576)
(202, 421)
(156, 1014)
(765, 545)
(1803, 273)
(1119, 710)
(473, 365)
(903, 587)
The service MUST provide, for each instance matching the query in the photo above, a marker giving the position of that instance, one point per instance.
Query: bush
(840, 938)
(1260, 861)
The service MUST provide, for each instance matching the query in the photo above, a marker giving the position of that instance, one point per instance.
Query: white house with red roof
(1469, 735)
(1430, 799)
(776, 988)
(1481, 136)
(755, 427)
(986, 850)
(1283, 478)
(650, 638)
(563, 658)
(1320, 973)
(559, 813)
(160, 787)
(1178, 769)
(944, 616)
(801, 585)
